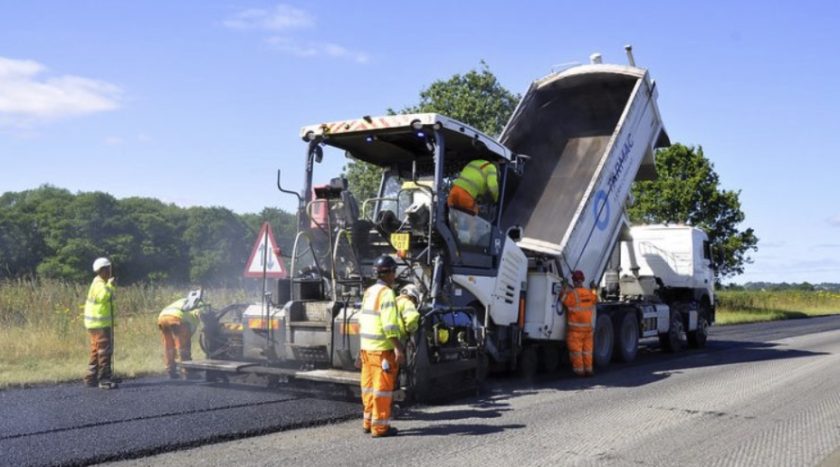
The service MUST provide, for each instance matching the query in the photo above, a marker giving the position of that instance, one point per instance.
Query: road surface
(760, 394)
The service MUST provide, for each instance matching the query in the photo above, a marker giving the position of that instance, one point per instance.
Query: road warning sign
(265, 257)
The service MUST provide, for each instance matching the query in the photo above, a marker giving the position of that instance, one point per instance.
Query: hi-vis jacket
(581, 304)
(379, 320)
(479, 177)
(409, 316)
(99, 307)
(176, 309)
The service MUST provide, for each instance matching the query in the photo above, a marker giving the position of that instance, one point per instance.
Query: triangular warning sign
(265, 257)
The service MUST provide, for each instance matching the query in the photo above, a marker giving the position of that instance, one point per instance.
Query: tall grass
(42, 335)
(747, 306)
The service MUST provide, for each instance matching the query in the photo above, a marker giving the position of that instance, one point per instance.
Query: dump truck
(491, 283)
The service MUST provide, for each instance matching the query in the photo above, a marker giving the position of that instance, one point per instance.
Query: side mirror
(317, 153)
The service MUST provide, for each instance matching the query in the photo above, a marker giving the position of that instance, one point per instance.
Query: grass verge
(44, 340)
(739, 307)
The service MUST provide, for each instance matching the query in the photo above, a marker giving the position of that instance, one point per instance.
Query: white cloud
(834, 220)
(114, 141)
(315, 49)
(283, 19)
(280, 18)
(27, 96)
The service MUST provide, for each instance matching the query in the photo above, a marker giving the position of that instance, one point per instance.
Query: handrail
(365, 204)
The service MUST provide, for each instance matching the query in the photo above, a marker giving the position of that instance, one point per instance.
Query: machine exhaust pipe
(629, 49)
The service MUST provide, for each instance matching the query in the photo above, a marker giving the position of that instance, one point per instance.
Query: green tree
(363, 178)
(475, 98)
(219, 242)
(688, 191)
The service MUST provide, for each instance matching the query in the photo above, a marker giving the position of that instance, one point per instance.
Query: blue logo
(601, 210)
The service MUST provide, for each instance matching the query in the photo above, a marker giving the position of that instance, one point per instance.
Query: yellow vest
(176, 309)
(99, 307)
(378, 321)
(479, 177)
(409, 316)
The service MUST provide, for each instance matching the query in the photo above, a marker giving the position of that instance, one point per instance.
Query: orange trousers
(460, 199)
(579, 343)
(377, 389)
(176, 338)
(101, 349)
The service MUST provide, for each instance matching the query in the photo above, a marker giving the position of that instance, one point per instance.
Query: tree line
(50, 232)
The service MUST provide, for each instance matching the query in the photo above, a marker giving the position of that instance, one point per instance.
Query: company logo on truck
(618, 167)
(601, 210)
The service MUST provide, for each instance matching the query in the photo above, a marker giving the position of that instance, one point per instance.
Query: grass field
(42, 337)
(44, 340)
(735, 307)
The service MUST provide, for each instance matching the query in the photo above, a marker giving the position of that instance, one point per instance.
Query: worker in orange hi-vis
(177, 323)
(381, 350)
(580, 302)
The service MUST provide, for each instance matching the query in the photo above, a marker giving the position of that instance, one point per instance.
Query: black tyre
(627, 338)
(528, 362)
(604, 341)
(550, 358)
(697, 338)
(418, 370)
(674, 339)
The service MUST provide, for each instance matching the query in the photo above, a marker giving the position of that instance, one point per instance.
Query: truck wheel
(550, 358)
(697, 338)
(603, 345)
(528, 362)
(674, 339)
(627, 338)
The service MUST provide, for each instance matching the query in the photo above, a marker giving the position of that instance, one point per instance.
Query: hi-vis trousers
(377, 389)
(579, 342)
(176, 337)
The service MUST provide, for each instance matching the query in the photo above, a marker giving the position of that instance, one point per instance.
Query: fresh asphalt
(73, 425)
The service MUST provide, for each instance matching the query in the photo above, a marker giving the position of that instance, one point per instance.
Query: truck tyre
(550, 358)
(627, 338)
(603, 345)
(528, 362)
(673, 340)
(697, 338)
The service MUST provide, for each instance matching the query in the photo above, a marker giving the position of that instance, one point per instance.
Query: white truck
(490, 283)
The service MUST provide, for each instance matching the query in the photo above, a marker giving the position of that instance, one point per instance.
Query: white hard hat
(412, 291)
(100, 263)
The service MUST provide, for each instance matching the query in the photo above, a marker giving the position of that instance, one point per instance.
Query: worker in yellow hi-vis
(478, 179)
(381, 350)
(177, 323)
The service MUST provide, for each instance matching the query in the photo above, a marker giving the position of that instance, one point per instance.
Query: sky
(200, 102)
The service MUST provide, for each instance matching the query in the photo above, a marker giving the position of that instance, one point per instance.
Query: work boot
(390, 432)
(91, 383)
(106, 384)
(366, 429)
(174, 375)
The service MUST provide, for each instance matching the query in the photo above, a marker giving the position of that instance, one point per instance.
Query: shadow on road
(452, 429)
(652, 365)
